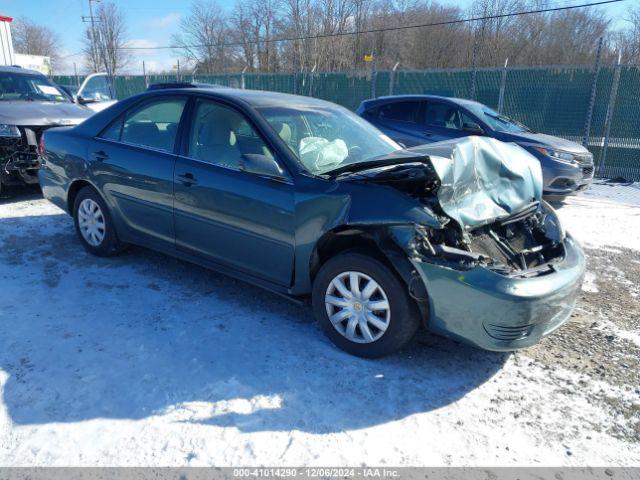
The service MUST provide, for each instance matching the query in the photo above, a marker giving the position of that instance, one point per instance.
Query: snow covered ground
(146, 360)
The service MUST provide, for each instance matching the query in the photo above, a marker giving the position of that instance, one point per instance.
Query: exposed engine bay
(526, 244)
(490, 208)
(19, 157)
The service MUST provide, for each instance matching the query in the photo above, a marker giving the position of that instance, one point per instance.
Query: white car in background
(95, 92)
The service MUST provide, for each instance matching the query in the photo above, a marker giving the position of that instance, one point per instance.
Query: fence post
(242, 84)
(374, 72)
(474, 68)
(503, 84)
(392, 80)
(311, 80)
(592, 98)
(75, 73)
(609, 117)
(144, 74)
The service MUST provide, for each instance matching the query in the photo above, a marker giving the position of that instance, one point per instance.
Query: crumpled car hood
(28, 113)
(483, 179)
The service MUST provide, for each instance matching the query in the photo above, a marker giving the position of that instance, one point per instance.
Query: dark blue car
(419, 119)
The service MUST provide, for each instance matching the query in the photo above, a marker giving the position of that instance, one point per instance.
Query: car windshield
(325, 138)
(496, 121)
(29, 87)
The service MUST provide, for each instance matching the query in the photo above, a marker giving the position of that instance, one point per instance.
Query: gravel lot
(146, 360)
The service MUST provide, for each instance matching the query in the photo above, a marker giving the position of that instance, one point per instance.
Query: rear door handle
(428, 134)
(187, 179)
(100, 156)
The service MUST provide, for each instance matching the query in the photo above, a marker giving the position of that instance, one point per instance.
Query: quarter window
(154, 125)
(113, 131)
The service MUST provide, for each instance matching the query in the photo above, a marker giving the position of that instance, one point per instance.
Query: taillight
(41, 146)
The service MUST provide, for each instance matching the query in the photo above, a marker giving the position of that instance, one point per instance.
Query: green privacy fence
(552, 100)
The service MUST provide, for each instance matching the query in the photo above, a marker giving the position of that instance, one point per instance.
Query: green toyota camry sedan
(305, 198)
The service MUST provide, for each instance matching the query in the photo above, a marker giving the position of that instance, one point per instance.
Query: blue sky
(152, 22)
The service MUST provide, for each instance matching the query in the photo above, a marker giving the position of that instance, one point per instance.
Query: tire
(401, 319)
(102, 245)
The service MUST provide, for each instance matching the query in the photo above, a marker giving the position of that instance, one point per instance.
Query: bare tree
(332, 35)
(627, 41)
(108, 48)
(34, 39)
(202, 37)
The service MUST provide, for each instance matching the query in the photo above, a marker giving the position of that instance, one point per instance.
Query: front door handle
(428, 134)
(187, 179)
(100, 156)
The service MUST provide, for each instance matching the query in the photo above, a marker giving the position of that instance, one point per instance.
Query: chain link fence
(599, 107)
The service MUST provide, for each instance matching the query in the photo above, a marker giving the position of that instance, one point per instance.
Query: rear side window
(406, 111)
(153, 125)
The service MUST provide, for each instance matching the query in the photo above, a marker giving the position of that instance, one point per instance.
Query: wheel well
(73, 193)
(369, 242)
(341, 240)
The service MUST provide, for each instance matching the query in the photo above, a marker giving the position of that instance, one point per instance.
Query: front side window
(326, 137)
(442, 115)
(406, 111)
(153, 125)
(221, 135)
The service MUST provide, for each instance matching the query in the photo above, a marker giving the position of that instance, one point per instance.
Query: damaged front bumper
(497, 312)
(19, 160)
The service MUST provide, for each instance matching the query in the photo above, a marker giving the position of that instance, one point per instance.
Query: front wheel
(363, 307)
(93, 224)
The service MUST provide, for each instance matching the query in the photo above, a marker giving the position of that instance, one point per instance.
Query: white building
(9, 57)
(6, 43)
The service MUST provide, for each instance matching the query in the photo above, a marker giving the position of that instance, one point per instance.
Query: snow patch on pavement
(144, 360)
(589, 283)
(597, 223)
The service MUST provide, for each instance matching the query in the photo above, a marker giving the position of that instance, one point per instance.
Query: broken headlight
(9, 131)
(552, 226)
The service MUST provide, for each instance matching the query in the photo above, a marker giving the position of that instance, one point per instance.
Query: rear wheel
(363, 307)
(93, 224)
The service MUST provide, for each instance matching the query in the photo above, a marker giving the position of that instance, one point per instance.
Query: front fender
(350, 205)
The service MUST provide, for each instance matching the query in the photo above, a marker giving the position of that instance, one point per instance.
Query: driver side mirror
(85, 100)
(473, 128)
(261, 165)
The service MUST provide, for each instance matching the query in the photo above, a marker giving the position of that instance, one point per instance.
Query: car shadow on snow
(15, 194)
(143, 335)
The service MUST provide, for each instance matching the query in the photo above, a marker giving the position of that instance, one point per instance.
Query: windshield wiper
(393, 168)
(390, 159)
(509, 121)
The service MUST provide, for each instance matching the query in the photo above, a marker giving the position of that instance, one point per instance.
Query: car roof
(9, 69)
(253, 98)
(391, 98)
